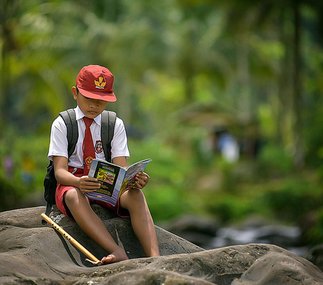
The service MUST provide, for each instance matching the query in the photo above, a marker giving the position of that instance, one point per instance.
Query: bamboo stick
(73, 241)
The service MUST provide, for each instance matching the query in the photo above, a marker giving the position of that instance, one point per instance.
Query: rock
(280, 268)
(32, 253)
(316, 255)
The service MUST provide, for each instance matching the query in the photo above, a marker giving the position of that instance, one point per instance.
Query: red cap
(96, 82)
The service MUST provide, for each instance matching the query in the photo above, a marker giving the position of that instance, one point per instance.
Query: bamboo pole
(73, 241)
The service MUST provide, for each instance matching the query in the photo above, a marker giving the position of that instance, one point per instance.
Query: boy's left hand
(140, 180)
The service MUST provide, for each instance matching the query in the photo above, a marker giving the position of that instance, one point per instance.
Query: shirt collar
(79, 115)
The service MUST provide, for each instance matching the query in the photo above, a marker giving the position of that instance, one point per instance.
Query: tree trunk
(297, 102)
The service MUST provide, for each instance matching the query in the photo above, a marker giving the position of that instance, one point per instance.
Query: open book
(114, 179)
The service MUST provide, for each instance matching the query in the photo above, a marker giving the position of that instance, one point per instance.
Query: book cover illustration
(114, 179)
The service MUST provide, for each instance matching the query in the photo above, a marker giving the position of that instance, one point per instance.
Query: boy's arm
(120, 160)
(64, 177)
(61, 172)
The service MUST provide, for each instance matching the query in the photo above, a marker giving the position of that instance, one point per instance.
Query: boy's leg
(92, 225)
(142, 223)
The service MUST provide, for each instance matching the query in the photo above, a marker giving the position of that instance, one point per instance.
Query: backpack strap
(69, 118)
(108, 119)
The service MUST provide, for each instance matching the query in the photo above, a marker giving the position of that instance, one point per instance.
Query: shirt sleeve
(58, 139)
(119, 144)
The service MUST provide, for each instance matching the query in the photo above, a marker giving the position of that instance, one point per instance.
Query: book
(114, 179)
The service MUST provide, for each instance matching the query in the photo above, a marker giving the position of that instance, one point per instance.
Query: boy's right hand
(88, 184)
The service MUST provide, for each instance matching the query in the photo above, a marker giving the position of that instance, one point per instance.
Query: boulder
(34, 253)
(315, 255)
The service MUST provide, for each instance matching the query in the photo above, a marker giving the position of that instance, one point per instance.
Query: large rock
(32, 253)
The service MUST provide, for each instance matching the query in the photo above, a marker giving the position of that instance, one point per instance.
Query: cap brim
(108, 97)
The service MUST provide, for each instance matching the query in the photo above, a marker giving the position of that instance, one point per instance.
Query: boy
(93, 91)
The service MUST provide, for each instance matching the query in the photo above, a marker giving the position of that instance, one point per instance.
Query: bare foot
(115, 256)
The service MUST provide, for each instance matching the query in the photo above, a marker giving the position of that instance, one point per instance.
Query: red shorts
(60, 202)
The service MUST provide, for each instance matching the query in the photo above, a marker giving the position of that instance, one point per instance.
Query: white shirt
(58, 140)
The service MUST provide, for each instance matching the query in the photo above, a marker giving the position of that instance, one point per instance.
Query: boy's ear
(74, 91)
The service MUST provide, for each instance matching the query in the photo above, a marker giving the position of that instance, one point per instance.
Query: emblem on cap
(100, 83)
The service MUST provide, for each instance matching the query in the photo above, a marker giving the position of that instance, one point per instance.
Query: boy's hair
(108, 119)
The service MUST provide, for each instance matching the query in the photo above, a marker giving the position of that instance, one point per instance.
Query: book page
(114, 179)
(133, 169)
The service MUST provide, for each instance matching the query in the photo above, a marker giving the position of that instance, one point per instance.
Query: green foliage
(165, 192)
(166, 202)
(168, 56)
(274, 161)
(10, 192)
(291, 200)
(29, 161)
(314, 235)
(229, 208)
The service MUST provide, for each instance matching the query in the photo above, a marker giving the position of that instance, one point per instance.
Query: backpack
(108, 119)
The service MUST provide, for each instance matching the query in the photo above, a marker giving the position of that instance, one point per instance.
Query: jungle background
(186, 72)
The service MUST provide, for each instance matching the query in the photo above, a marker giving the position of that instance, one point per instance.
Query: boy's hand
(88, 184)
(140, 180)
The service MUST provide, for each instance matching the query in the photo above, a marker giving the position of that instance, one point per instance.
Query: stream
(208, 234)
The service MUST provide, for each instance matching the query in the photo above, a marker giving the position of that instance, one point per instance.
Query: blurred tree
(282, 24)
(9, 12)
(191, 49)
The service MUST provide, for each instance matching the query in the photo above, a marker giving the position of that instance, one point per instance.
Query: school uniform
(59, 144)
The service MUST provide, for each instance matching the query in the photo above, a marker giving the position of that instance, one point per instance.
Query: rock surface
(33, 253)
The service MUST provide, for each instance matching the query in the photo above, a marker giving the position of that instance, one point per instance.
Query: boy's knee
(137, 195)
(134, 198)
(71, 196)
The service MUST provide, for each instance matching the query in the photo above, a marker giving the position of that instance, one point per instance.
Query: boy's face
(90, 107)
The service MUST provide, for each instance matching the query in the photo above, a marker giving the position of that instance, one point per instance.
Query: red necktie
(88, 146)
